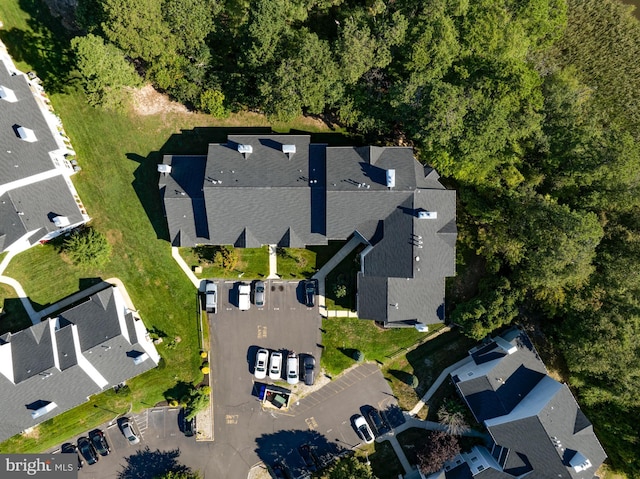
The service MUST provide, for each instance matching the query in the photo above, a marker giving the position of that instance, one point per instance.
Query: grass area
(325, 253)
(426, 362)
(345, 274)
(118, 152)
(253, 263)
(13, 316)
(342, 336)
(384, 462)
(296, 263)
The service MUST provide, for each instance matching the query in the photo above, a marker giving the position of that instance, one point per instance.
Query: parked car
(129, 431)
(244, 293)
(211, 297)
(275, 368)
(308, 457)
(379, 423)
(188, 425)
(280, 471)
(68, 448)
(99, 442)
(258, 294)
(86, 449)
(310, 292)
(363, 429)
(292, 368)
(262, 362)
(309, 370)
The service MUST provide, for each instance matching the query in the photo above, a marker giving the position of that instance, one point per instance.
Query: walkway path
(273, 262)
(434, 387)
(185, 267)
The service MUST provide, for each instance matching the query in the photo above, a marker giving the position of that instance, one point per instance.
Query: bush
(173, 403)
(413, 381)
(340, 290)
(226, 258)
(358, 355)
(204, 354)
(87, 248)
(212, 102)
(205, 369)
(205, 390)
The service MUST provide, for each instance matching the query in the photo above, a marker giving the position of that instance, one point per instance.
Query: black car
(68, 448)
(99, 442)
(86, 449)
(308, 457)
(380, 425)
(309, 370)
(280, 471)
(310, 292)
(189, 425)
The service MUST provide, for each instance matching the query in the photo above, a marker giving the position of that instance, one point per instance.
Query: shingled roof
(283, 190)
(34, 173)
(59, 363)
(535, 423)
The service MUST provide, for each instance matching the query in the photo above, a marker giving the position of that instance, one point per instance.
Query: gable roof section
(69, 357)
(19, 158)
(532, 417)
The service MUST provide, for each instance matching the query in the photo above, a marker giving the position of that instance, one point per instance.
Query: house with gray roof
(81, 350)
(536, 427)
(37, 198)
(283, 190)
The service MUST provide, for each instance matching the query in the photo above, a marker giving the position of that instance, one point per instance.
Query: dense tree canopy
(529, 108)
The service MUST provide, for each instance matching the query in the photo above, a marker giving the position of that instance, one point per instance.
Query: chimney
(391, 178)
(245, 150)
(289, 150)
(7, 94)
(162, 168)
(427, 215)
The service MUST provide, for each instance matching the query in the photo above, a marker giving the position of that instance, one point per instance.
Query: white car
(262, 359)
(244, 297)
(275, 369)
(364, 431)
(292, 368)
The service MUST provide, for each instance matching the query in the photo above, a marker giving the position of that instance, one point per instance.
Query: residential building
(284, 190)
(37, 198)
(536, 427)
(93, 345)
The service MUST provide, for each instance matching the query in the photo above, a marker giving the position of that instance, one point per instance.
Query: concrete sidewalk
(273, 262)
(185, 267)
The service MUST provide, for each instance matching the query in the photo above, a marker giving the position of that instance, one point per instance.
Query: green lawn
(118, 153)
(342, 336)
(384, 462)
(344, 274)
(295, 263)
(426, 362)
(13, 316)
(253, 263)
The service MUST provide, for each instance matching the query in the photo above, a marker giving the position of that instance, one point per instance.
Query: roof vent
(427, 215)
(61, 221)
(139, 359)
(7, 94)
(246, 150)
(391, 178)
(289, 150)
(27, 134)
(162, 168)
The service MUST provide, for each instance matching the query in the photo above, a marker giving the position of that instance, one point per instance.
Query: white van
(244, 294)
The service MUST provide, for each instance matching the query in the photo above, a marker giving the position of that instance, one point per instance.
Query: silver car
(292, 368)
(258, 294)
(127, 430)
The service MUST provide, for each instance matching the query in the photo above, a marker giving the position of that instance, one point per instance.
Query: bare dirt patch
(148, 101)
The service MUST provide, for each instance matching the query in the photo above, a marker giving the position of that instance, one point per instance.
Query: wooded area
(529, 108)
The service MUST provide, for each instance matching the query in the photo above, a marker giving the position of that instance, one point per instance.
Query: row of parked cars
(272, 364)
(369, 430)
(95, 445)
(259, 297)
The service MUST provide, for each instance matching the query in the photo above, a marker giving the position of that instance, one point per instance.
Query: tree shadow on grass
(148, 464)
(348, 352)
(402, 376)
(177, 392)
(44, 46)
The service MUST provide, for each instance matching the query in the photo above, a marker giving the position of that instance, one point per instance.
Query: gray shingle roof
(79, 344)
(28, 204)
(527, 412)
(18, 158)
(318, 194)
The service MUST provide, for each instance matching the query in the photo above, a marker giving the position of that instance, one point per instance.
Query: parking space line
(311, 423)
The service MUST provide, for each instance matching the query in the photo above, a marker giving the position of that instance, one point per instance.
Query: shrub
(205, 369)
(173, 403)
(340, 290)
(212, 102)
(87, 248)
(225, 258)
(413, 381)
(204, 354)
(358, 355)
(205, 390)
